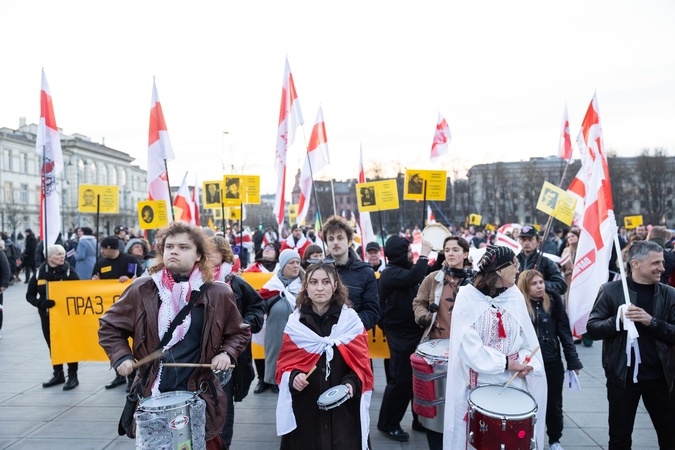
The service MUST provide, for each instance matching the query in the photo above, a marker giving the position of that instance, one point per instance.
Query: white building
(85, 162)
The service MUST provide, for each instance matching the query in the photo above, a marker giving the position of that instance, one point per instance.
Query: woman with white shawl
(491, 335)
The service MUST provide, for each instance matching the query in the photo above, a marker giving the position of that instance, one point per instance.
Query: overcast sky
(500, 72)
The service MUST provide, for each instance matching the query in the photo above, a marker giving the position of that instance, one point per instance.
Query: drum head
(167, 399)
(434, 349)
(511, 402)
(435, 234)
(333, 395)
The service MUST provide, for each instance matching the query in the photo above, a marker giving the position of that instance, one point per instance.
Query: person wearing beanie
(279, 293)
(296, 241)
(490, 338)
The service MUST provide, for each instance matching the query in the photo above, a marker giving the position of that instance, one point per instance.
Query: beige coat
(429, 292)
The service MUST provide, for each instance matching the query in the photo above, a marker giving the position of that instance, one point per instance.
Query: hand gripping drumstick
(309, 373)
(527, 360)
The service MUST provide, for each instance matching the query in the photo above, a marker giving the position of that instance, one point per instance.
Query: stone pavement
(32, 417)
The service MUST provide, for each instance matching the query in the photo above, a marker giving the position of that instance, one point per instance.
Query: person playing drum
(492, 335)
(325, 333)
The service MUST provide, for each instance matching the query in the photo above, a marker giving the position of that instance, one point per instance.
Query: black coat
(5, 271)
(31, 246)
(361, 283)
(602, 325)
(553, 329)
(553, 278)
(36, 292)
(338, 428)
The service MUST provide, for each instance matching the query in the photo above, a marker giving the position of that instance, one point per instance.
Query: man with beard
(296, 241)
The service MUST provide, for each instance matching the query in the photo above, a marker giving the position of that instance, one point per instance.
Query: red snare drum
(503, 421)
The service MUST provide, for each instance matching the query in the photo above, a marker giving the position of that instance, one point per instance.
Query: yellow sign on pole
(292, 213)
(212, 191)
(217, 213)
(489, 227)
(233, 213)
(436, 181)
(377, 195)
(152, 214)
(108, 198)
(632, 221)
(475, 219)
(241, 189)
(557, 203)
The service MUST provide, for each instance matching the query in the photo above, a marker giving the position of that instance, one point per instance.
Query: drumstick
(310, 372)
(151, 357)
(527, 360)
(190, 365)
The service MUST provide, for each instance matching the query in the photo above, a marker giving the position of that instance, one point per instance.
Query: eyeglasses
(321, 261)
(269, 247)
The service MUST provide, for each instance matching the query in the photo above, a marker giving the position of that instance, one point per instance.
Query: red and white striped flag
(367, 233)
(181, 203)
(48, 146)
(598, 226)
(430, 216)
(159, 153)
(577, 189)
(195, 205)
(505, 241)
(565, 144)
(442, 138)
(290, 118)
(317, 158)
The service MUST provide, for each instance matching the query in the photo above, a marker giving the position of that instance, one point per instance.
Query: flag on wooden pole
(159, 153)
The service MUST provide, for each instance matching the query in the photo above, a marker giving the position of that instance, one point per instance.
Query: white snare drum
(333, 397)
(176, 405)
(435, 234)
(435, 354)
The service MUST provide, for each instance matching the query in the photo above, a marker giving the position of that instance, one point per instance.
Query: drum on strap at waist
(430, 367)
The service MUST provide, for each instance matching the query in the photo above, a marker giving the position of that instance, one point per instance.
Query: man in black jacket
(652, 310)
(28, 256)
(553, 279)
(398, 287)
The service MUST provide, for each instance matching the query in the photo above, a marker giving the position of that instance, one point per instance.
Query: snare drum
(333, 397)
(501, 421)
(430, 376)
(175, 405)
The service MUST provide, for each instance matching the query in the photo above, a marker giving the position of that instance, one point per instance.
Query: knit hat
(496, 257)
(286, 256)
(111, 242)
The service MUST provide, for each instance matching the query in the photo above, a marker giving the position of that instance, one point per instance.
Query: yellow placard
(292, 214)
(108, 198)
(436, 183)
(377, 195)
(632, 221)
(233, 213)
(152, 214)
(489, 227)
(74, 318)
(240, 189)
(537, 227)
(557, 203)
(217, 213)
(475, 219)
(211, 191)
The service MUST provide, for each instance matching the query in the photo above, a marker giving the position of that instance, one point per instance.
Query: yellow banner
(153, 214)
(489, 227)
(73, 321)
(475, 219)
(557, 203)
(108, 198)
(377, 195)
(436, 182)
(632, 221)
(233, 213)
(241, 189)
(217, 213)
(211, 191)
(292, 214)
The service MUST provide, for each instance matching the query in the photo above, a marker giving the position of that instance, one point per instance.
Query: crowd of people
(501, 318)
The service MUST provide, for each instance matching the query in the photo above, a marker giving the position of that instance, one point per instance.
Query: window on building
(22, 162)
(6, 159)
(93, 174)
(113, 176)
(342, 200)
(8, 193)
(123, 177)
(103, 176)
(24, 194)
(9, 164)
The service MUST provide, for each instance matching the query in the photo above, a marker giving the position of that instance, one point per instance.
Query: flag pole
(44, 203)
(379, 212)
(311, 175)
(424, 206)
(98, 211)
(166, 170)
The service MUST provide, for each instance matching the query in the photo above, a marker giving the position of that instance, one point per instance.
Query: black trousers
(555, 377)
(228, 429)
(260, 369)
(1, 302)
(623, 403)
(44, 321)
(398, 393)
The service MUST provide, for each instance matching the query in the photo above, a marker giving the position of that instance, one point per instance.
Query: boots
(58, 378)
(72, 382)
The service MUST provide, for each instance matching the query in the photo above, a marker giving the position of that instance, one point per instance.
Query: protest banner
(107, 197)
(631, 222)
(557, 203)
(377, 195)
(212, 191)
(152, 214)
(436, 185)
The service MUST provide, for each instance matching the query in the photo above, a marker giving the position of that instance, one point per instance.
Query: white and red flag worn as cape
(367, 233)
(290, 118)
(301, 349)
(195, 205)
(565, 145)
(48, 146)
(598, 226)
(317, 158)
(442, 138)
(159, 152)
(182, 203)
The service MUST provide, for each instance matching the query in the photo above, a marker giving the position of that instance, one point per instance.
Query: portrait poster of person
(415, 184)
(88, 196)
(213, 193)
(368, 196)
(550, 198)
(232, 188)
(147, 214)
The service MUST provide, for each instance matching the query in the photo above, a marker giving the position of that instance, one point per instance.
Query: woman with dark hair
(324, 333)
(314, 252)
(266, 260)
(490, 337)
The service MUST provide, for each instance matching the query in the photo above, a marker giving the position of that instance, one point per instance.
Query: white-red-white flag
(430, 216)
(442, 138)
(565, 144)
(367, 233)
(48, 146)
(577, 189)
(159, 153)
(195, 205)
(598, 226)
(182, 204)
(317, 158)
(505, 241)
(290, 118)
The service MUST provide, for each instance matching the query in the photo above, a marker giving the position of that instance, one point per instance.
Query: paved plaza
(32, 417)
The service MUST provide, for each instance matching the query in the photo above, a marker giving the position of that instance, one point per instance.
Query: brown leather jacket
(135, 315)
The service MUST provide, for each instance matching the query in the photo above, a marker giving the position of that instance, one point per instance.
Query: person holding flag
(325, 333)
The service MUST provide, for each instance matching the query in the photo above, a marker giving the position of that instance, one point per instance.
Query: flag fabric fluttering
(565, 145)
(195, 205)
(48, 146)
(316, 159)
(367, 233)
(598, 224)
(159, 153)
(577, 189)
(290, 118)
(182, 205)
(431, 219)
(442, 138)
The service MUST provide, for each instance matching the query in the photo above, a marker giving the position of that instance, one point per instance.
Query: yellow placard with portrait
(377, 195)
(233, 213)
(631, 222)
(152, 214)
(475, 219)
(240, 189)
(107, 197)
(292, 213)
(557, 203)
(415, 180)
(211, 193)
(217, 213)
